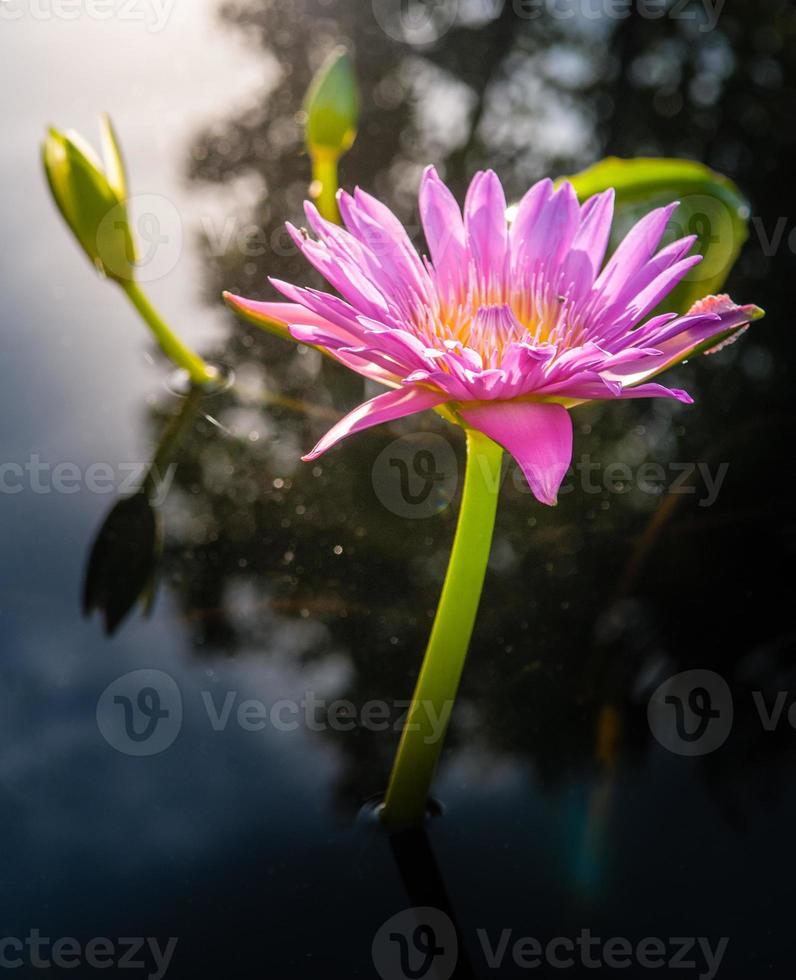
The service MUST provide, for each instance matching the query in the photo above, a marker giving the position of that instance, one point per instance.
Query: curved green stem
(435, 692)
(324, 185)
(199, 372)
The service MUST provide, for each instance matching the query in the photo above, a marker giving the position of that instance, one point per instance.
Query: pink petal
(581, 386)
(538, 436)
(382, 370)
(402, 345)
(547, 240)
(444, 230)
(349, 275)
(292, 320)
(383, 408)
(592, 236)
(368, 363)
(325, 305)
(450, 382)
(528, 211)
(393, 261)
(584, 260)
(656, 391)
(274, 317)
(366, 212)
(644, 290)
(485, 225)
(649, 297)
(634, 251)
(708, 319)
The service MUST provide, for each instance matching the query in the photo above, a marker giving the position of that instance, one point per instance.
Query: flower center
(489, 320)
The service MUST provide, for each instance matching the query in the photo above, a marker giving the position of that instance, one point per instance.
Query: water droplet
(179, 381)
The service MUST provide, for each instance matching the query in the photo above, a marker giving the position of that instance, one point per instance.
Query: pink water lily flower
(507, 325)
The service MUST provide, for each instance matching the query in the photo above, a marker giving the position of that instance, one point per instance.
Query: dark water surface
(293, 597)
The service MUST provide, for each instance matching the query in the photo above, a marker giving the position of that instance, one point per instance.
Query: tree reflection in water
(588, 606)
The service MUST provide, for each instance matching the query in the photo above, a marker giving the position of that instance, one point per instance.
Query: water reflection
(122, 564)
(585, 606)
(301, 581)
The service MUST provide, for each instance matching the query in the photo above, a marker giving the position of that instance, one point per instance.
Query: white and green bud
(92, 198)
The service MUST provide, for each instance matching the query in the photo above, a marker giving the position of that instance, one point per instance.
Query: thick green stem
(199, 372)
(324, 185)
(438, 682)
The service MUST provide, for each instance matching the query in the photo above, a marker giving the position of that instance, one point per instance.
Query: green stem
(324, 185)
(170, 440)
(199, 372)
(435, 691)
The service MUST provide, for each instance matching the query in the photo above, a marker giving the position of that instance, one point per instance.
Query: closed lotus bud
(92, 198)
(332, 107)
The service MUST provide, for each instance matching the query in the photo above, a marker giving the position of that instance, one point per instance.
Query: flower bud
(92, 198)
(332, 107)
